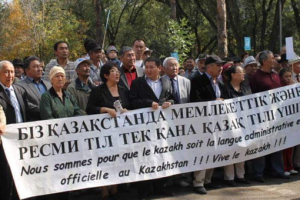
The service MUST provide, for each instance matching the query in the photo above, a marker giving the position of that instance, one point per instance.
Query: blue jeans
(276, 163)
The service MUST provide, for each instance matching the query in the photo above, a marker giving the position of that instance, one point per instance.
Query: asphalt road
(273, 189)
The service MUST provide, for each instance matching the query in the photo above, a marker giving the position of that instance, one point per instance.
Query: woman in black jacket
(109, 98)
(236, 87)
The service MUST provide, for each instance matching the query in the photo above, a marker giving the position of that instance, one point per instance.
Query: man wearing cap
(62, 52)
(139, 48)
(200, 66)
(147, 53)
(33, 84)
(128, 70)
(112, 55)
(294, 65)
(263, 80)
(95, 53)
(82, 86)
(207, 88)
(250, 67)
(19, 70)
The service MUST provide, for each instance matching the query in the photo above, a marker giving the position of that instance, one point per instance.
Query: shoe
(183, 183)
(212, 186)
(287, 173)
(242, 180)
(200, 190)
(293, 172)
(259, 179)
(230, 183)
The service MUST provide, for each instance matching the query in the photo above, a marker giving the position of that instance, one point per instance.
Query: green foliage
(180, 37)
(40, 23)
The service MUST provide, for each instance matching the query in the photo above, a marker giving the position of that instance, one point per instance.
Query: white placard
(82, 152)
(289, 48)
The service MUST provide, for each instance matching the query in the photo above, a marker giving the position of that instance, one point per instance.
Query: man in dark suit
(14, 103)
(207, 88)
(153, 91)
(33, 84)
(128, 70)
(200, 69)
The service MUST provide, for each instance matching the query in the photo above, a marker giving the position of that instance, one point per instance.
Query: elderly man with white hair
(13, 100)
(181, 86)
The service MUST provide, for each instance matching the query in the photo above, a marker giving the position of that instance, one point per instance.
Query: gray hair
(124, 50)
(4, 62)
(263, 56)
(166, 61)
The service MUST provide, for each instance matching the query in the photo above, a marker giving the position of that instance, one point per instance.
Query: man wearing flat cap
(19, 70)
(200, 66)
(207, 87)
(250, 67)
(95, 52)
(82, 86)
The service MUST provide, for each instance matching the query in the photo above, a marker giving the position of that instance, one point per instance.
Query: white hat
(148, 50)
(82, 60)
(55, 70)
(295, 59)
(248, 61)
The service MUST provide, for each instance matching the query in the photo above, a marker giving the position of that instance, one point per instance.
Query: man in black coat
(207, 87)
(153, 91)
(14, 102)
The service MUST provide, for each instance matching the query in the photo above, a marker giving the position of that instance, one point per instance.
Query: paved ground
(273, 189)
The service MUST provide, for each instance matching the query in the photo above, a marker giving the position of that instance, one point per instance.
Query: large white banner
(81, 152)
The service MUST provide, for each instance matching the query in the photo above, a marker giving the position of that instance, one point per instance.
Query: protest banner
(82, 152)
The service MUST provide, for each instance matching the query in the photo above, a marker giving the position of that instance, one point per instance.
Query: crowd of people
(115, 81)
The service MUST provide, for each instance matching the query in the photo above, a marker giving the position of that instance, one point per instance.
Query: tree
(222, 35)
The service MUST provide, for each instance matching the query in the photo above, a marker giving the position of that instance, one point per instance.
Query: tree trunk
(254, 26)
(222, 32)
(173, 10)
(98, 10)
(273, 40)
(265, 13)
(235, 23)
(296, 14)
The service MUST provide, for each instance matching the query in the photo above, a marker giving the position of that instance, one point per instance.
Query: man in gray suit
(33, 84)
(129, 71)
(181, 86)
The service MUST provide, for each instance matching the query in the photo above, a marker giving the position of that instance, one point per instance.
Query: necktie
(15, 104)
(174, 91)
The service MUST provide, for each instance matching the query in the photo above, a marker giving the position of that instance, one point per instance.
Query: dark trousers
(157, 185)
(7, 187)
